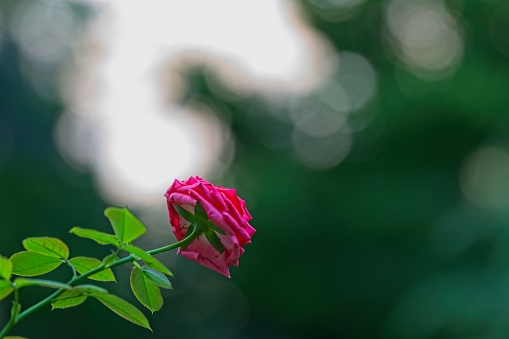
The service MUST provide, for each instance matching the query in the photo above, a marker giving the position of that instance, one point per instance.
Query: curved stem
(49, 299)
(184, 242)
(74, 273)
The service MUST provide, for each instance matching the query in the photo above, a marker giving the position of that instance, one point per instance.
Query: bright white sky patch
(119, 120)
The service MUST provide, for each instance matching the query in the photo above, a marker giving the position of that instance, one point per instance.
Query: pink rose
(224, 209)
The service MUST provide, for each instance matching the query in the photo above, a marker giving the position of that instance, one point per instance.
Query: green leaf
(147, 258)
(29, 264)
(85, 264)
(76, 296)
(5, 268)
(23, 282)
(52, 247)
(126, 226)
(16, 337)
(123, 309)
(68, 299)
(156, 277)
(147, 293)
(109, 259)
(5, 288)
(99, 237)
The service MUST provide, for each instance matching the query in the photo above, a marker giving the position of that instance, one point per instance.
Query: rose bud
(220, 216)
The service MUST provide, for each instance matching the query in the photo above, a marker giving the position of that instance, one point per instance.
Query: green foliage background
(384, 248)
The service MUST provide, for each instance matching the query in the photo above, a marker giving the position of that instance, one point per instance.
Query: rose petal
(201, 251)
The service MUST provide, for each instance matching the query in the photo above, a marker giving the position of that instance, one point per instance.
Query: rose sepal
(200, 221)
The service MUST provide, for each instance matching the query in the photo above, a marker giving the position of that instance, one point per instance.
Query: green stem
(14, 314)
(74, 273)
(49, 299)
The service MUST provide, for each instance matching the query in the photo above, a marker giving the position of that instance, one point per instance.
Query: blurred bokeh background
(370, 140)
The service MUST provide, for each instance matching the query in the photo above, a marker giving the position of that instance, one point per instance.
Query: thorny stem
(16, 316)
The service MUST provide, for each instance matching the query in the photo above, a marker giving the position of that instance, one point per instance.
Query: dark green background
(384, 248)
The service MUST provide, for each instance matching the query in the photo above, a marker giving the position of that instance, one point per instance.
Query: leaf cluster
(45, 254)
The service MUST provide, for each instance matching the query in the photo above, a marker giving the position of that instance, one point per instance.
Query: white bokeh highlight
(425, 36)
(121, 120)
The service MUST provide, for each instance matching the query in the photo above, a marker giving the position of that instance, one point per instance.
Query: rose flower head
(219, 214)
